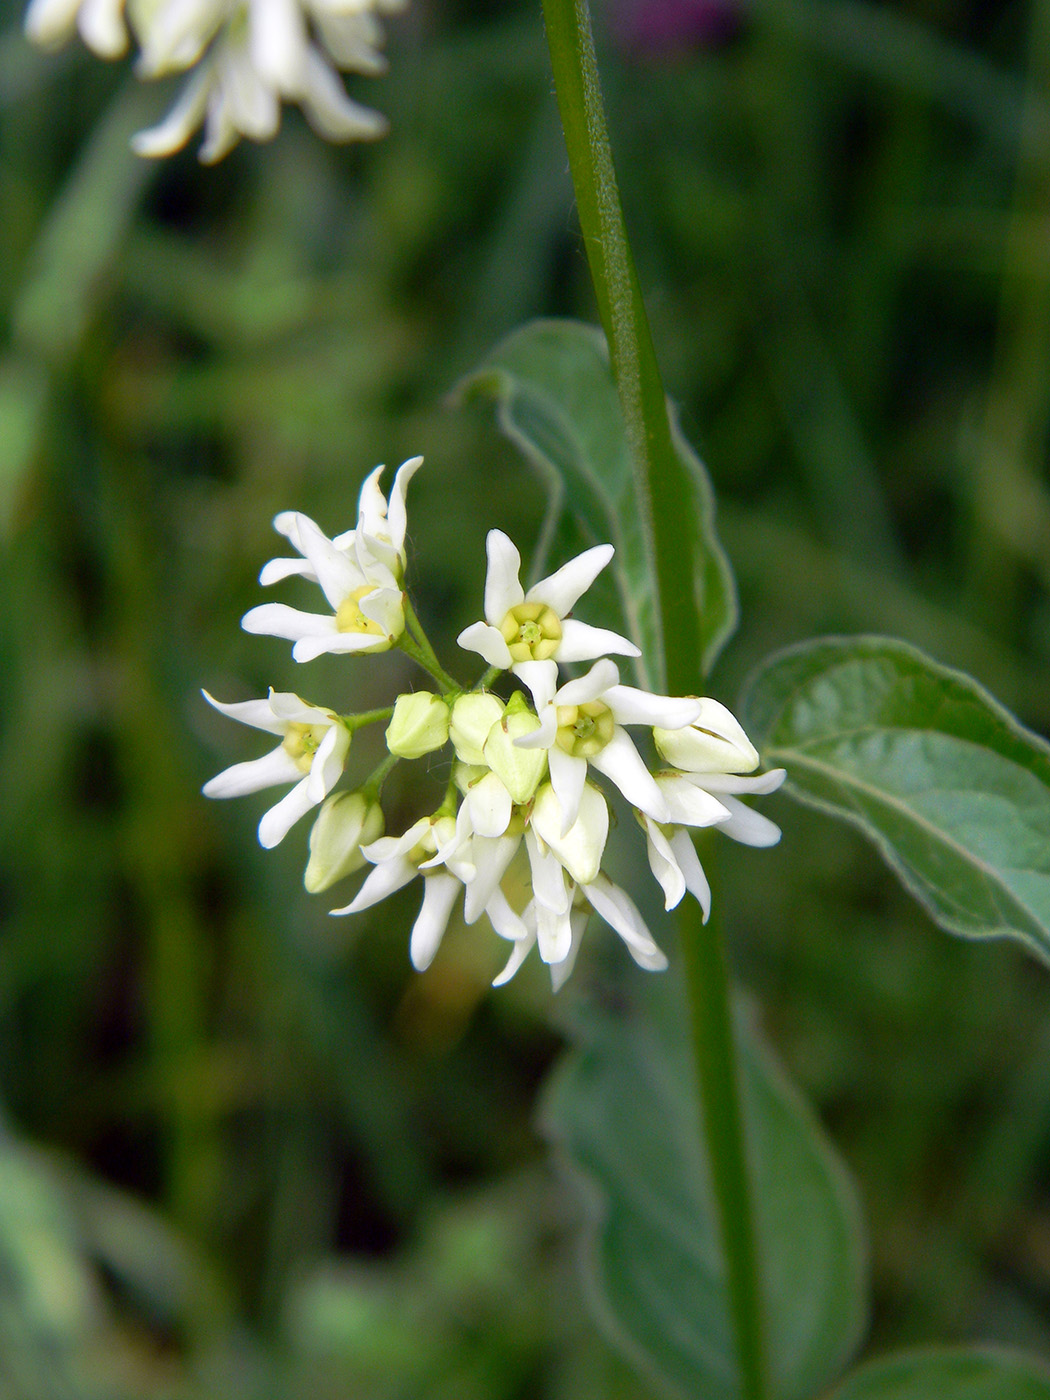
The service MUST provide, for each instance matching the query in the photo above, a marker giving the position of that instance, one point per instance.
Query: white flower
(359, 573)
(582, 722)
(529, 633)
(50, 23)
(311, 754)
(699, 800)
(251, 55)
(564, 932)
(397, 861)
(715, 742)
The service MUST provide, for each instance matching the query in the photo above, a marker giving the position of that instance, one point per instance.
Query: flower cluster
(523, 808)
(242, 57)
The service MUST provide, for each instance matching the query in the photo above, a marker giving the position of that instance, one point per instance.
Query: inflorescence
(523, 790)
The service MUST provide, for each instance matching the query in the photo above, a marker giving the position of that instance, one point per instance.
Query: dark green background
(247, 1151)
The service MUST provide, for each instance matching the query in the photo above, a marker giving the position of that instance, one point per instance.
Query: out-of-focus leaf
(23, 394)
(949, 1375)
(557, 401)
(623, 1109)
(953, 791)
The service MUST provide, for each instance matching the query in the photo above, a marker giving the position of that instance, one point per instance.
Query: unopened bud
(713, 743)
(345, 823)
(419, 725)
(521, 770)
(472, 719)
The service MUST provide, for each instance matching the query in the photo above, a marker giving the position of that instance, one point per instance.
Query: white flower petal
(553, 933)
(563, 589)
(172, 133)
(689, 804)
(581, 642)
(664, 864)
(631, 706)
(279, 820)
(503, 918)
(560, 971)
(336, 573)
(50, 22)
(490, 806)
(258, 713)
(601, 677)
(339, 644)
(621, 762)
(279, 620)
(581, 847)
(689, 863)
(386, 608)
(396, 516)
(760, 784)
(439, 895)
(272, 770)
(101, 25)
(381, 882)
(541, 678)
(277, 43)
(549, 885)
(620, 912)
(488, 642)
(749, 827)
(491, 859)
(329, 760)
(503, 589)
(712, 743)
(568, 779)
(329, 110)
(522, 948)
(277, 570)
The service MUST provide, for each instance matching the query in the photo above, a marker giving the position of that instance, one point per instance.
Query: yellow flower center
(302, 741)
(584, 730)
(350, 618)
(532, 631)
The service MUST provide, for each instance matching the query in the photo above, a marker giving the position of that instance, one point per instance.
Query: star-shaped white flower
(313, 748)
(529, 633)
(359, 573)
(583, 722)
(699, 800)
(565, 931)
(50, 23)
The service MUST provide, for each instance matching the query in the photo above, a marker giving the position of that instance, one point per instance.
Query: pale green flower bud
(346, 822)
(713, 743)
(472, 719)
(521, 770)
(419, 725)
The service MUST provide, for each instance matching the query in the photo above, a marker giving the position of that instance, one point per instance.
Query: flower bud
(713, 743)
(345, 823)
(521, 770)
(419, 725)
(473, 716)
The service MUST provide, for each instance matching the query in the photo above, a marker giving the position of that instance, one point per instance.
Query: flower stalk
(661, 486)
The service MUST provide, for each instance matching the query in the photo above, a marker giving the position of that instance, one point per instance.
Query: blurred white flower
(313, 748)
(359, 573)
(247, 56)
(529, 633)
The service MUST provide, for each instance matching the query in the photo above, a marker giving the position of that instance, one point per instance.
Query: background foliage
(244, 1150)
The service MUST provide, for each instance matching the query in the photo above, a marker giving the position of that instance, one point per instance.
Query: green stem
(373, 784)
(661, 489)
(661, 483)
(418, 647)
(358, 721)
(714, 1053)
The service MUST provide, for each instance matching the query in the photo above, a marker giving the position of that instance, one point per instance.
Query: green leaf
(557, 402)
(623, 1109)
(953, 791)
(949, 1375)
